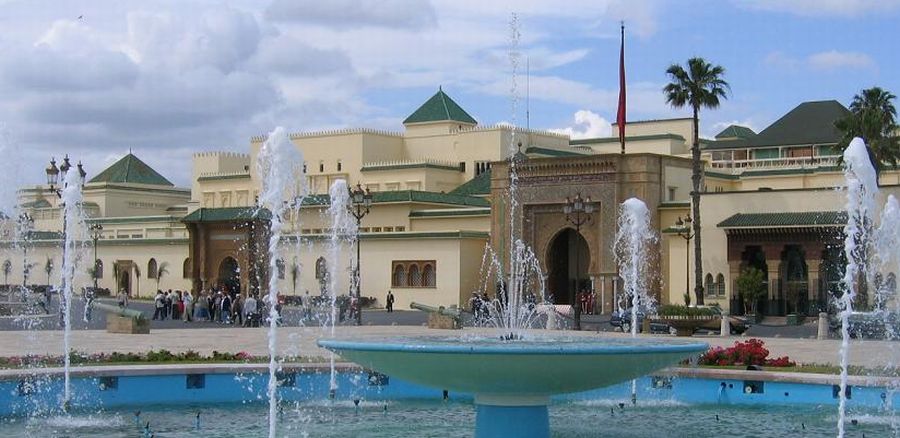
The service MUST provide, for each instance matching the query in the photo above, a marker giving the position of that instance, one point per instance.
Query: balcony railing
(739, 166)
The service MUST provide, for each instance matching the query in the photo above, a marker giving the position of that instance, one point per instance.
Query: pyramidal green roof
(735, 131)
(130, 169)
(438, 109)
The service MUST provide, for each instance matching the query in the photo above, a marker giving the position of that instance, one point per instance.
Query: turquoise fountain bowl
(512, 380)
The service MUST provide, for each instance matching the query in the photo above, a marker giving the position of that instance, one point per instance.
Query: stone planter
(686, 325)
(131, 326)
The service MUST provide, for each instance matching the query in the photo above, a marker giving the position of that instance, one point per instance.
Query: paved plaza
(297, 341)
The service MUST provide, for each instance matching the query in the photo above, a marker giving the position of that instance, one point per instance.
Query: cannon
(122, 320)
(440, 317)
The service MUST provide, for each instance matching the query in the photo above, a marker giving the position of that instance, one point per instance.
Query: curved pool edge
(8, 374)
(515, 348)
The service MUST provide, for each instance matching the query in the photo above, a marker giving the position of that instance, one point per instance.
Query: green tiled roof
(409, 196)
(227, 214)
(130, 169)
(799, 219)
(807, 124)
(40, 203)
(451, 212)
(478, 186)
(584, 141)
(553, 152)
(736, 131)
(438, 109)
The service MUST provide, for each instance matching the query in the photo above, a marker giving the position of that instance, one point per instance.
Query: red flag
(620, 115)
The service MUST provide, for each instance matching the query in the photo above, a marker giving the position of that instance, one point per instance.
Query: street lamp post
(96, 232)
(360, 202)
(578, 212)
(25, 225)
(684, 231)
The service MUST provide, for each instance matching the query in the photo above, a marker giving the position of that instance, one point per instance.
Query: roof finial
(439, 88)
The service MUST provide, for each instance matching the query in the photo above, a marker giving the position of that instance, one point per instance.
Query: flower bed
(751, 352)
(153, 356)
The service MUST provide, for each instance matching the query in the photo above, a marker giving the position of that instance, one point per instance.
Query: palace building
(439, 197)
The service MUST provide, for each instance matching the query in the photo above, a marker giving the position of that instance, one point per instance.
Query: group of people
(213, 305)
(173, 305)
(587, 299)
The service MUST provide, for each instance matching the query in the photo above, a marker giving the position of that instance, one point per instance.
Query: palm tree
(163, 269)
(873, 117)
(701, 85)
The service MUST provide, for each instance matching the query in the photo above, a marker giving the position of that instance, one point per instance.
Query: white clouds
(822, 61)
(823, 8)
(833, 59)
(587, 125)
(412, 14)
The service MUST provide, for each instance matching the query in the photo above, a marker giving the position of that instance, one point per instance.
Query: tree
(700, 86)
(873, 118)
(7, 269)
(48, 268)
(162, 270)
(751, 285)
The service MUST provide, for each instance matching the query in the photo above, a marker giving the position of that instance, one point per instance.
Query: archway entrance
(567, 247)
(753, 256)
(124, 282)
(230, 275)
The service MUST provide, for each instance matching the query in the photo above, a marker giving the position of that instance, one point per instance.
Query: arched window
(186, 268)
(98, 269)
(152, 269)
(709, 286)
(399, 278)
(428, 277)
(279, 264)
(415, 276)
(720, 285)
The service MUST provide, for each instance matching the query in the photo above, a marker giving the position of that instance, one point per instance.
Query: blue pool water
(233, 405)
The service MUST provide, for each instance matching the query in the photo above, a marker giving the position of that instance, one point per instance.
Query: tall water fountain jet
(279, 165)
(343, 229)
(634, 239)
(75, 231)
(862, 186)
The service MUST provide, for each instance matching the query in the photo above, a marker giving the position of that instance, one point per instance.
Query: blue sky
(173, 77)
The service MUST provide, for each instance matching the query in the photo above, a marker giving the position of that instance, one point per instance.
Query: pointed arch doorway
(230, 275)
(565, 248)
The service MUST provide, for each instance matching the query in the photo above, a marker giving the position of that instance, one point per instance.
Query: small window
(709, 285)
(720, 285)
(195, 381)
(672, 192)
(376, 229)
(321, 166)
(399, 277)
(415, 276)
(399, 229)
(108, 383)
(388, 229)
(304, 167)
(339, 166)
(428, 277)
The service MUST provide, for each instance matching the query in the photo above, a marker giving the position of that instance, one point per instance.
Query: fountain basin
(512, 381)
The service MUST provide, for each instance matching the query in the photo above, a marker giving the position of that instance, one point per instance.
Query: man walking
(389, 302)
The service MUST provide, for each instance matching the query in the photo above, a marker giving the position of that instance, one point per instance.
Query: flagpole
(620, 116)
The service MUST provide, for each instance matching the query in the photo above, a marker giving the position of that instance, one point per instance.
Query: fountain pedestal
(524, 417)
(512, 381)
